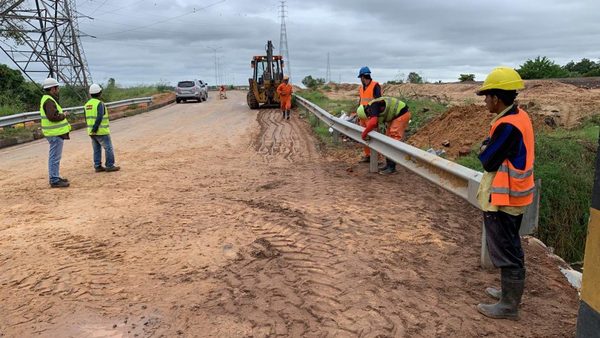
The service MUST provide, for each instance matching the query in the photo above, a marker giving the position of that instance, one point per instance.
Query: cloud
(151, 41)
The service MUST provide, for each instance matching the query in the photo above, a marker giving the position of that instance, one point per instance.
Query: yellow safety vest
(50, 128)
(393, 107)
(91, 113)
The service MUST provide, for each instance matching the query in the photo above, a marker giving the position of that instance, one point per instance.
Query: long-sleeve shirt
(99, 117)
(53, 115)
(284, 90)
(505, 143)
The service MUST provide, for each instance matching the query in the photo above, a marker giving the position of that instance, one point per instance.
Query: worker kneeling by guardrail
(387, 112)
(506, 188)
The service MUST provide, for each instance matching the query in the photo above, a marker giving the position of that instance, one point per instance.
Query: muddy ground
(226, 222)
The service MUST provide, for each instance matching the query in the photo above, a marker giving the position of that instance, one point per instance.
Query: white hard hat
(95, 89)
(49, 83)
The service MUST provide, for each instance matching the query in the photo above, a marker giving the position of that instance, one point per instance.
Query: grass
(565, 161)
(10, 109)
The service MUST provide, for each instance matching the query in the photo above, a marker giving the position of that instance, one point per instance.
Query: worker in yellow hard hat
(506, 188)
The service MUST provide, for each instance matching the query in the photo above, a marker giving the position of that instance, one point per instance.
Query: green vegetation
(18, 95)
(565, 161)
(543, 68)
(414, 78)
(422, 111)
(466, 77)
(312, 83)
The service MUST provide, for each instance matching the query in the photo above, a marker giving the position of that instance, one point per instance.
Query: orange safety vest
(513, 187)
(366, 95)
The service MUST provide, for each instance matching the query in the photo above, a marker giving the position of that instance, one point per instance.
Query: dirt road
(226, 222)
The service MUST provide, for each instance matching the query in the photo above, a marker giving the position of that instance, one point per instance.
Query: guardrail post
(373, 165)
(336, 137)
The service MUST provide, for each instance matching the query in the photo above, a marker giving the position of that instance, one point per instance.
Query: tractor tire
(252, 101)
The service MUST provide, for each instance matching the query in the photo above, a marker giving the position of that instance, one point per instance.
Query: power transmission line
(194, 11)
(46, 41)
(283, 41)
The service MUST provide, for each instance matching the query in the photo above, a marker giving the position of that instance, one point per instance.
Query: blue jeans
(99, 142)
(54, 156)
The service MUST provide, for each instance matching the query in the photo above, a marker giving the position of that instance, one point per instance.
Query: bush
(414, 78)
(466, 77)
(312, 83)
(541, 68)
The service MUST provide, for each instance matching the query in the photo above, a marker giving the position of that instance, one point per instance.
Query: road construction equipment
(267, 76)
(504, 78)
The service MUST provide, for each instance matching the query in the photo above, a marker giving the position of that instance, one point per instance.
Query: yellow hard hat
(285, 77)
(504, 78)
(360, 112)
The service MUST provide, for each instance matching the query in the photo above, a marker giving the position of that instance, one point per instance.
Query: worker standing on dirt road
(55, 128)
(284, 90)
(368, 91)
(506, 188)
(391, 112)
(96, 117)
(222, 93)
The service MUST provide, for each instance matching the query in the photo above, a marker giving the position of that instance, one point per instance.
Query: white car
(191, 90)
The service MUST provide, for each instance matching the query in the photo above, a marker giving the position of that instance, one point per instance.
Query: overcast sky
(166, 41)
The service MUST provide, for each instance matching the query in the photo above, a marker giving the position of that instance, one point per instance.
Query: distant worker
(368, 91)
(222, 92)
(96, 117)
(285, 97)
(55, 128)
(506, 188)
(390, 112)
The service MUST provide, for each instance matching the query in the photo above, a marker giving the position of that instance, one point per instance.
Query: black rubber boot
(513, 283)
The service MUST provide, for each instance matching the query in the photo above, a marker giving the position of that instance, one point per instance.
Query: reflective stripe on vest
(91, 113)
(393, 107)
(368, 94)
(511, 186)
(50, 128)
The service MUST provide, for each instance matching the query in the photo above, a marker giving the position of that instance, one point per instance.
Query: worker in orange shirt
(284, 90)
(368, 91)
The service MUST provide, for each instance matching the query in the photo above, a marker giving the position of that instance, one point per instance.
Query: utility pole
(328, 73)
(42, 38)
(283, 41)
(215, 49)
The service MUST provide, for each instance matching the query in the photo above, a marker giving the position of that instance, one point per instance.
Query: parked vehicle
(191, 90)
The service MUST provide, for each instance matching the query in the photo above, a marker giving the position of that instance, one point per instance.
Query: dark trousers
(503, 240)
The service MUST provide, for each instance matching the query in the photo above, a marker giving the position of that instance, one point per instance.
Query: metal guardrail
(10, 120)
(459, 180)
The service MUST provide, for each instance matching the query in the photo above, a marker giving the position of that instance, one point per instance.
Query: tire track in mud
(85, 269)
(295, 278)
(280, 138)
